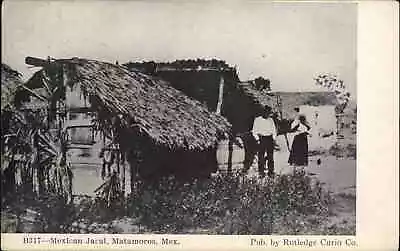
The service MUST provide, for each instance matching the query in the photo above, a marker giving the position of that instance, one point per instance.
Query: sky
(289, 43)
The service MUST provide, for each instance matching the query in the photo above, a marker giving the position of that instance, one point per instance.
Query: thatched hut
(10, 80)
(319, 107)
(217, 85)
(290, 100)
(158, 129)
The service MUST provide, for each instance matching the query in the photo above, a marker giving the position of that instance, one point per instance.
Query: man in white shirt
(264, 131)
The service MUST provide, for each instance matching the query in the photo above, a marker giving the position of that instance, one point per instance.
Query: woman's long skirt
(299, 152)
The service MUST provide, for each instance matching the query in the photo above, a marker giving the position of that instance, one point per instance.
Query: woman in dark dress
(299, 151)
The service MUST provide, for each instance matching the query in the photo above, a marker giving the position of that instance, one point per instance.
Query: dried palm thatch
(10, 79)
(141, 104)
(259, 98)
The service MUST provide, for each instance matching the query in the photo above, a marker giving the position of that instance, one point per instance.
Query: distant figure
(299, 150)
(264, 131)
(316, 118)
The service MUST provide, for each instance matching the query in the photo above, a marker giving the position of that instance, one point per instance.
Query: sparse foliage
(232, 205)
(262, 84)
(332, 82)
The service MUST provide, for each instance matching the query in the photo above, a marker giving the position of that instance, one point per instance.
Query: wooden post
(339, 134)
(123, 162)
(132, 174)
(117, 159)
(37, 61)
(339, 119)
(230, 155)
(134, 166)
(220, 95)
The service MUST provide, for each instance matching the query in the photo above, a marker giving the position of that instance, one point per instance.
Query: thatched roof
(259, 98)
(288, 100)
(144, 104)
(180, 65)
(10, 79)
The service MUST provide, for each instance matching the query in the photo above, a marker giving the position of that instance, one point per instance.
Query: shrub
(232, 205)
(44, 213)
(351, 151)
(348, 150)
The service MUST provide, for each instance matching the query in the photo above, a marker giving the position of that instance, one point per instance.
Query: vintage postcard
(200, 125)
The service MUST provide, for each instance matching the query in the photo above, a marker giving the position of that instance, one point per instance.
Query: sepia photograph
(169, 117)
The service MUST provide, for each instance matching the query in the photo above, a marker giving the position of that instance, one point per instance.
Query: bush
(349, 151)
(232, 205)
(32, 213)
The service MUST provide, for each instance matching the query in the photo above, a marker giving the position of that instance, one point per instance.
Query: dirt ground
(338, 174)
